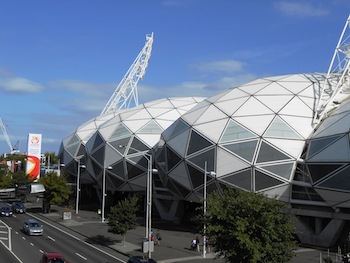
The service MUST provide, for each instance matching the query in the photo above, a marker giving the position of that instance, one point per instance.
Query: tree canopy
(123, 216)
(56, 189)
(248, 227)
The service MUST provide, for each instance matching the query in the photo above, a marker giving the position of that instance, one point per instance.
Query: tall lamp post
(78, 186)
(104, 189)
(149, 185)
(205, 206)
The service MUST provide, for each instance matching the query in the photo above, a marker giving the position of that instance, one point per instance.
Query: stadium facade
(256, 137)
(284, 136)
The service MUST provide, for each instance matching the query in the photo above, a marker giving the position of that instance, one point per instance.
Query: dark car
(53, 257)
(140, 260)
(18, 207)
(6, 211)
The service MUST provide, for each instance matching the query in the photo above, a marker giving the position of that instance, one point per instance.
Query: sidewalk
(175, 243)
(174, 246)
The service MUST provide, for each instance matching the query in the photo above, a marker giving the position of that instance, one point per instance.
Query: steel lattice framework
(126, 92)
(336, 86)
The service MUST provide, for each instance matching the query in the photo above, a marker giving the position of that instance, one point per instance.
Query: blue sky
(61, 60)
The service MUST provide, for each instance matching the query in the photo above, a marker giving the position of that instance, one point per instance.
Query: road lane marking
(31, 244)
(51, 238)
(80, 256)
(75, 237)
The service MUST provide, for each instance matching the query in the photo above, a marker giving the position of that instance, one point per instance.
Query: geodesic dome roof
(123, 141)
(251, 136)
(328, 157)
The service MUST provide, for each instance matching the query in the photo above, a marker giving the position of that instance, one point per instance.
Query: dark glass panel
(339, 181)
(172, 159)
(242, 179)
(118, 169)
(97, 141)
(268, 153)
(133, 170)
(208, 157)
(318, 144)
(318, 171)
(137, 146)
(263, 181)
(120, 145)
(196, 176)
(197, 143)
(180, 126)
(245, 150)
(99, 155)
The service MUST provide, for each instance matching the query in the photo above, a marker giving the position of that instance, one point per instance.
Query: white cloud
(20, 85)
(303, 9)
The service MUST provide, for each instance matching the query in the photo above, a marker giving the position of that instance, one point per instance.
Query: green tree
(56, 192)
(123, 216)
(248, 227)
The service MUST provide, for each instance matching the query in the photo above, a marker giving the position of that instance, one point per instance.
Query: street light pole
(78, 186)
(78, 189)
(149, 204)
(205, 206)
(104, 189)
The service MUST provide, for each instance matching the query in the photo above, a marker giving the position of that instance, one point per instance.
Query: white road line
(76, 238)
(3, 238)
(51, 238)
(31, 244)
(80, 256)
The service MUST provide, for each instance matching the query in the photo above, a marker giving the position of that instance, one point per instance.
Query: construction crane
(3, 128)
(126, 92)
(336, 87)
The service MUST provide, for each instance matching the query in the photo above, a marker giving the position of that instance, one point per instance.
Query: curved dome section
(73, 146)
(250, 136)
(123, 142)
(328, 157)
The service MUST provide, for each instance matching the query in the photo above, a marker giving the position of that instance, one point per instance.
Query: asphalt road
(29, 249)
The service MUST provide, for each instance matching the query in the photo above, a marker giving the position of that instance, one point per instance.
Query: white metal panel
(164, 104)
(297, 86)
(164, 123)
(257, 124)
(227, 163)
(135, 125)
(275, 102)
(297, 108)
(302, 125)
(336, 152)
(193, 115)
(293, 148)
(212, 130)
(230, 106)
(233, 94)
(142, 114)
(106, 132)
(211, 114)
(155, 112)
(149, 139)
(252, 107)
(170, 115)
(273, 89)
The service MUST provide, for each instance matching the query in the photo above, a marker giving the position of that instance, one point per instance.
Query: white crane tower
(336, 87)
(3, 128)
(126, 92)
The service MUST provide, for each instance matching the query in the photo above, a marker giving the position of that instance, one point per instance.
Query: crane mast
(126, 92)
(7, 138)
(336, 86)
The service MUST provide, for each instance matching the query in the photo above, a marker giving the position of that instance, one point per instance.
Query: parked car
(53, 257)
(140, 260)
(33, 227)
(18, 207)
(6, 211)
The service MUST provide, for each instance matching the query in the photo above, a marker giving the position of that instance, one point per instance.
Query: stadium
(284, 136)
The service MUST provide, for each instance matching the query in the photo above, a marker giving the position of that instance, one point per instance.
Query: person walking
(158, 237)
(197, 244)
